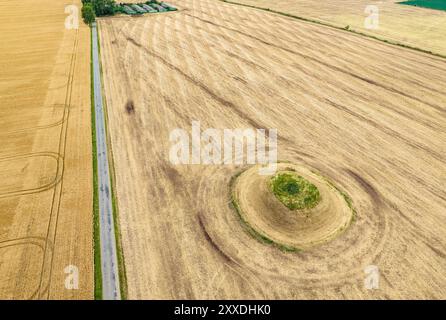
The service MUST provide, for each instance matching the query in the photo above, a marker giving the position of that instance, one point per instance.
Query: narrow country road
(109, 261)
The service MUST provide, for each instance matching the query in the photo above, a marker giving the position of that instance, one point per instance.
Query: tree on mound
(294, 191)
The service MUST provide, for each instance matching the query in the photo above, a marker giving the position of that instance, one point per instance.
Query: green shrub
(294, 191)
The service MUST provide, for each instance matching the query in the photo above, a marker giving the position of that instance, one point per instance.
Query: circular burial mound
(294, 209)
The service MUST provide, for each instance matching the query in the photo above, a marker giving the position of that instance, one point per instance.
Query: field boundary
(326, 24)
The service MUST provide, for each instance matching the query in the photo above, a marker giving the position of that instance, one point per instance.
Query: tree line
(96, 8)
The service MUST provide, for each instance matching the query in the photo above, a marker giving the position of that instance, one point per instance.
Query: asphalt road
(109, 261)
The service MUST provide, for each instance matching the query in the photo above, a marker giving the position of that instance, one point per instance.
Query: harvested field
(366, 115)
(45, 154)
(413, 26)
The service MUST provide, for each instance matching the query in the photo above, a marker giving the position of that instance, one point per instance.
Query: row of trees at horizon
(96, 8)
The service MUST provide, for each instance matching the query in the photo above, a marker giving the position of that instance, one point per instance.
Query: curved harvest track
(368, 116)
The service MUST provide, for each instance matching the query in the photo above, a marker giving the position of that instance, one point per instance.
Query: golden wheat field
(413, 26)
(368, 116)
(45, 152)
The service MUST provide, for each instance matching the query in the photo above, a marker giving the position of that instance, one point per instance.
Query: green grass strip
(96, 231)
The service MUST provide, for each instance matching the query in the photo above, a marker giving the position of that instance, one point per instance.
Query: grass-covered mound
(294, 191)
(295, 209)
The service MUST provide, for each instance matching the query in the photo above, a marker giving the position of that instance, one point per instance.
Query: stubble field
(45, 152)
(409, 25)
(366, 115)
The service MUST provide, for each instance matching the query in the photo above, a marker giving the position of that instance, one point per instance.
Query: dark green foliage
(88, 14)
(104, 7)
(291, 187)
